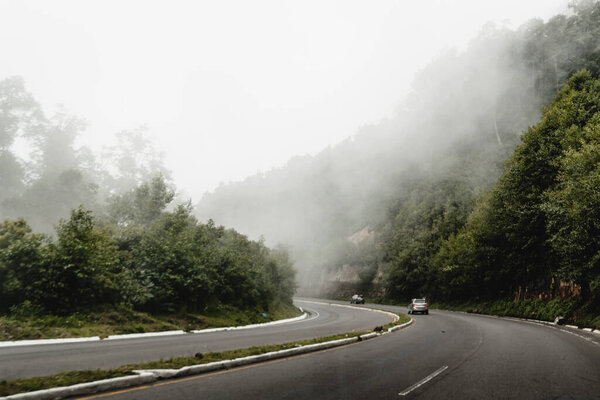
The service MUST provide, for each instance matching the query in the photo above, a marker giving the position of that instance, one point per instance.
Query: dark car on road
(357, 299)
(418, 306)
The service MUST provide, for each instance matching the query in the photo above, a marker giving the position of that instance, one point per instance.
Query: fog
(446, 143)
(302, 122)
(227, 89)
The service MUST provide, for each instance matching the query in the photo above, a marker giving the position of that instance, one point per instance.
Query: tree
(540, 221)
(19, 115)
(84, 271)
(23, 263)
(133, 161)
(178, 257)
(141, 205)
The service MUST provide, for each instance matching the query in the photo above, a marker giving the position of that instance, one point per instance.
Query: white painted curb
(397, 327)
(393, 315)
(570, 329)
(48, 341)
(142, 335)
(252, 326)
(85, 388)
(148, 376)
(15, 343)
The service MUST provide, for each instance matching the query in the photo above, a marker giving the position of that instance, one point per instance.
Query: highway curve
(41, 360)
(442, 355)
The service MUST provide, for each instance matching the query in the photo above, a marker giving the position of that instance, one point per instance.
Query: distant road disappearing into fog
(40, 360)
(443, 355)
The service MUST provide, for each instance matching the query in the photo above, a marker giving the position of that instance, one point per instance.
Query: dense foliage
(539, 221)
(414, 180)
(419, 204)
(172, 263)
(535, 230)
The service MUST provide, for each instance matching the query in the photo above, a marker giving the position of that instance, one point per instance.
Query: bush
(174, 265)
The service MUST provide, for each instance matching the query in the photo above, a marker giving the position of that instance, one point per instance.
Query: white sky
(229, 88)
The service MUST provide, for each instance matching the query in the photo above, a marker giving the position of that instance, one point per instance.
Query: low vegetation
(571, 310)
(126, 320)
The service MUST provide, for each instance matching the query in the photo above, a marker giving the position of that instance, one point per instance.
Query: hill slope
(413, 179)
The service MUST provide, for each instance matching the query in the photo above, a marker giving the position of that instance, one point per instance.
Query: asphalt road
(41, 360)
(442, 355)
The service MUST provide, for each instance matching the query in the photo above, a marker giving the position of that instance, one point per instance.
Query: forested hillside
(537, 227)
(391, 210)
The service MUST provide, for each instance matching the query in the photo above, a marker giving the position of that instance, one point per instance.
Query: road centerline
(423, 381)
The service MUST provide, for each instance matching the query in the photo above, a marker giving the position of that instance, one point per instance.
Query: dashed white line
(423, 381)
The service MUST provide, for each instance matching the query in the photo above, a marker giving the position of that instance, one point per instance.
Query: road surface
(442, 355)
(41, 360)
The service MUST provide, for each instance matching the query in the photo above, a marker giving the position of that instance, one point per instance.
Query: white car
(418, 306)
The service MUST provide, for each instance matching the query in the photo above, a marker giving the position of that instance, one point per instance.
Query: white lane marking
(578, 335)
(546, 324)
(423, 381)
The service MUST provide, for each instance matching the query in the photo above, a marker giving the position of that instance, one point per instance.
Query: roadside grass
(123, 320)
(9, 387)
(572, 310)
(71, 378)
(403, 318)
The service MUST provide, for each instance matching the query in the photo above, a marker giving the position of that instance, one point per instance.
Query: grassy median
(122, 320)
(71, 378)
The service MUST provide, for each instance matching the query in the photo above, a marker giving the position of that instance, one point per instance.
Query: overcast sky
(229, 88)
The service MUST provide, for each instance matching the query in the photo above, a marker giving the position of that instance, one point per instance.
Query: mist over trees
(422, 203)
(537, 223)
(54, 175)
(172, 264)
(403, 189)
(82, 232)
